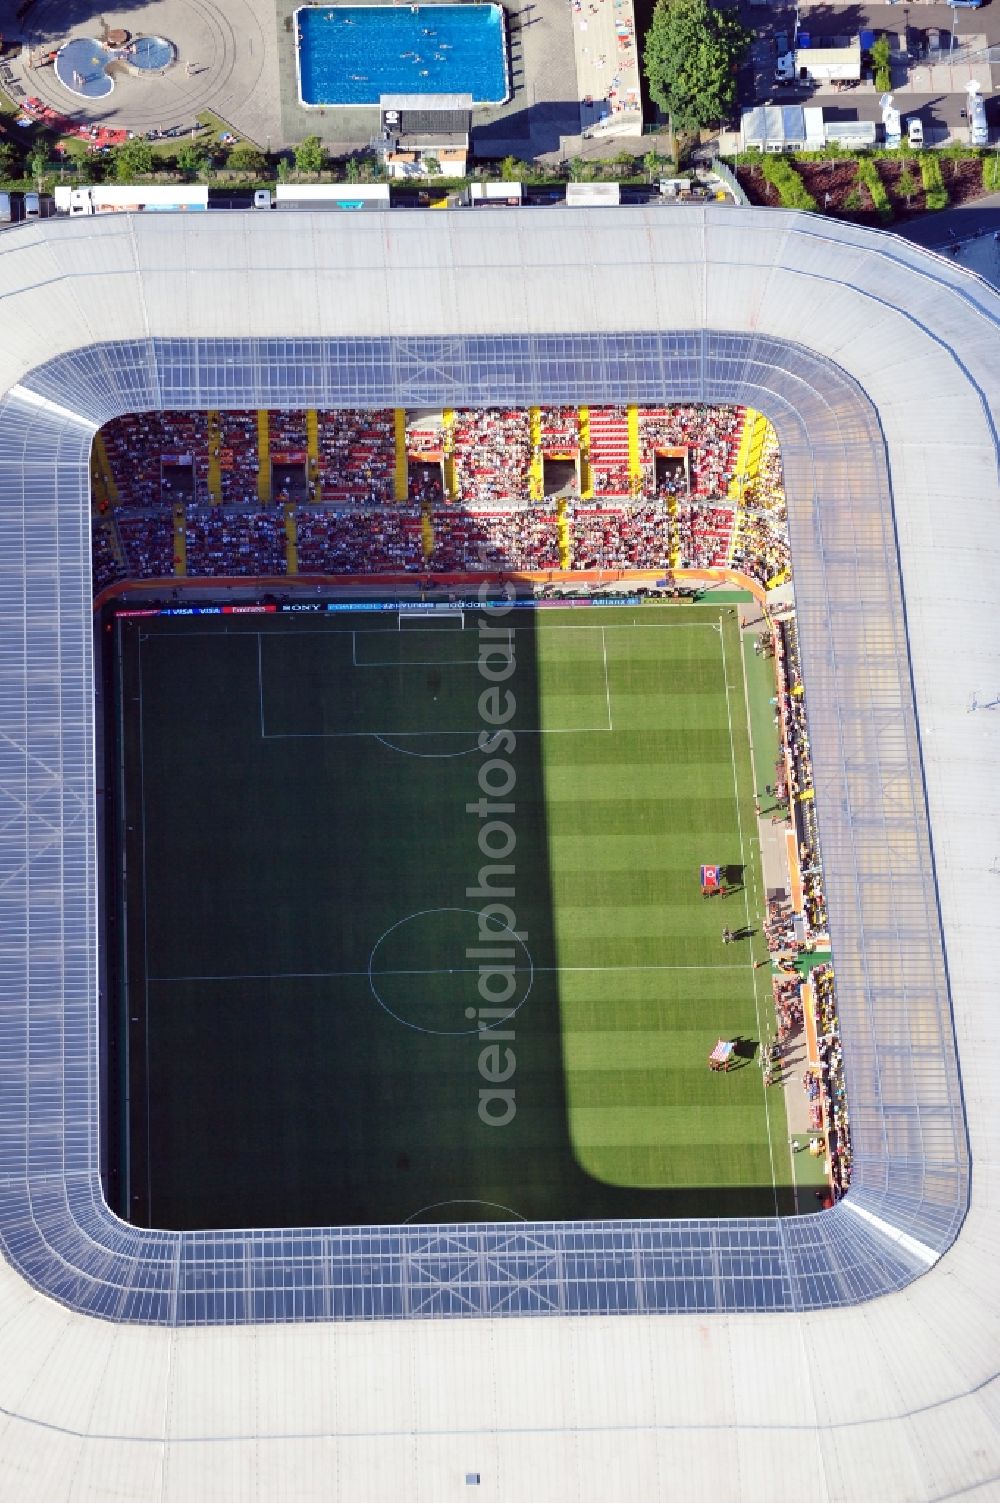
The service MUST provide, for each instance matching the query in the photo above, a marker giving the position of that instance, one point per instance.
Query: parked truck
(820, 65)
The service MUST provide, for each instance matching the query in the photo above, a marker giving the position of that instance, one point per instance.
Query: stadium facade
(849, 1354)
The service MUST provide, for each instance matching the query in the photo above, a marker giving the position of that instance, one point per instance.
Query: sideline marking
(746, 903)
(607, 684)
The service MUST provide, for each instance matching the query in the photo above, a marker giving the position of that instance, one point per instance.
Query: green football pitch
(308, 964)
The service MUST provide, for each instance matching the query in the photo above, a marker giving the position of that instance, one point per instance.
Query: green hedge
(792, 191)
(868, 174)
(935, 192)
(991, 173)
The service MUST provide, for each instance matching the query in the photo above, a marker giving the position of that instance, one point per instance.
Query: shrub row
(868, 174)
(935, 192)
(792, 191)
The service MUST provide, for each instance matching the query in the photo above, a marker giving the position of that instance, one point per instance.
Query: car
(781, 43)
(915, 132)
(262, 198)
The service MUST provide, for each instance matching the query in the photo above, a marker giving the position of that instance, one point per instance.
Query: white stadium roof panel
(866, 1372)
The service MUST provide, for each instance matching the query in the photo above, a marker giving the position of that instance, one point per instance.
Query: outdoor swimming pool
(353, 54)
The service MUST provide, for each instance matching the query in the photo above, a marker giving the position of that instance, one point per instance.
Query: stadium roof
(785, 1367)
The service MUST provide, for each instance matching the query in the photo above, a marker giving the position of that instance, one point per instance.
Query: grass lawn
(302, 1021)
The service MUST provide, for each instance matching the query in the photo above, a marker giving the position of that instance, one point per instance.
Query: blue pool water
(352, 54)
(151, 53)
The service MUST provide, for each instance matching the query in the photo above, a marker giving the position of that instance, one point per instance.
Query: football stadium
(487, 719)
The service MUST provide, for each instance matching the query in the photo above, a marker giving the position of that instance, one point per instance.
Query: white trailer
(497, 193)
(579, 195)
(135, 200)
(332, 196)
(829, 64)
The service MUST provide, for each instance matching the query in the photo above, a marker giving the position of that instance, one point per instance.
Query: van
(5, 210)
(32, 206)
(915, 132)
(262, 198)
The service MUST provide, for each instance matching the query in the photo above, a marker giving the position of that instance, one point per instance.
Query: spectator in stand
(492, 455)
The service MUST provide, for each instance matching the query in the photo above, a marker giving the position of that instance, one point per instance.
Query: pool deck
(242, 65)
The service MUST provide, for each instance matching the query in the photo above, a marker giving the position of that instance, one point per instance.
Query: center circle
(451, 971)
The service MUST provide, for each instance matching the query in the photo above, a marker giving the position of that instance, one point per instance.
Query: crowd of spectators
(831, 1079)
(222, 541)
(710, 434)
(519, 538)
(287, 433)
(144, 450)
(147, 540)
(703, 533)
(162, 460)
(357, 455)
(560, 430)
(761, 546)
(106, 568)
(348, 540)
(491, 448)
(238, 457)
(622, 537)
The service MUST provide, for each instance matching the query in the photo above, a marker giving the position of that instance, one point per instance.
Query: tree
(245, 157)
(8, 160)
(38, 161)
(907, 184)
(192, 159)
(352, 170)
(880, 61)
(690, 60)
(310, 155)
(431, 166)
(652, 162)
(511, 170)
(133, 159)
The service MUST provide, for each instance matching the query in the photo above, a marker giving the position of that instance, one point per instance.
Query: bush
(935, 192)
(245, 157)
(192, 159)
(310, 155)
(868, 174)
(991, 173)
(10, 160)
(133, 159)
(792, 192)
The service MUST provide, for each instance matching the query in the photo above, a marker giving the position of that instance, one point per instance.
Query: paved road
(970, 221)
